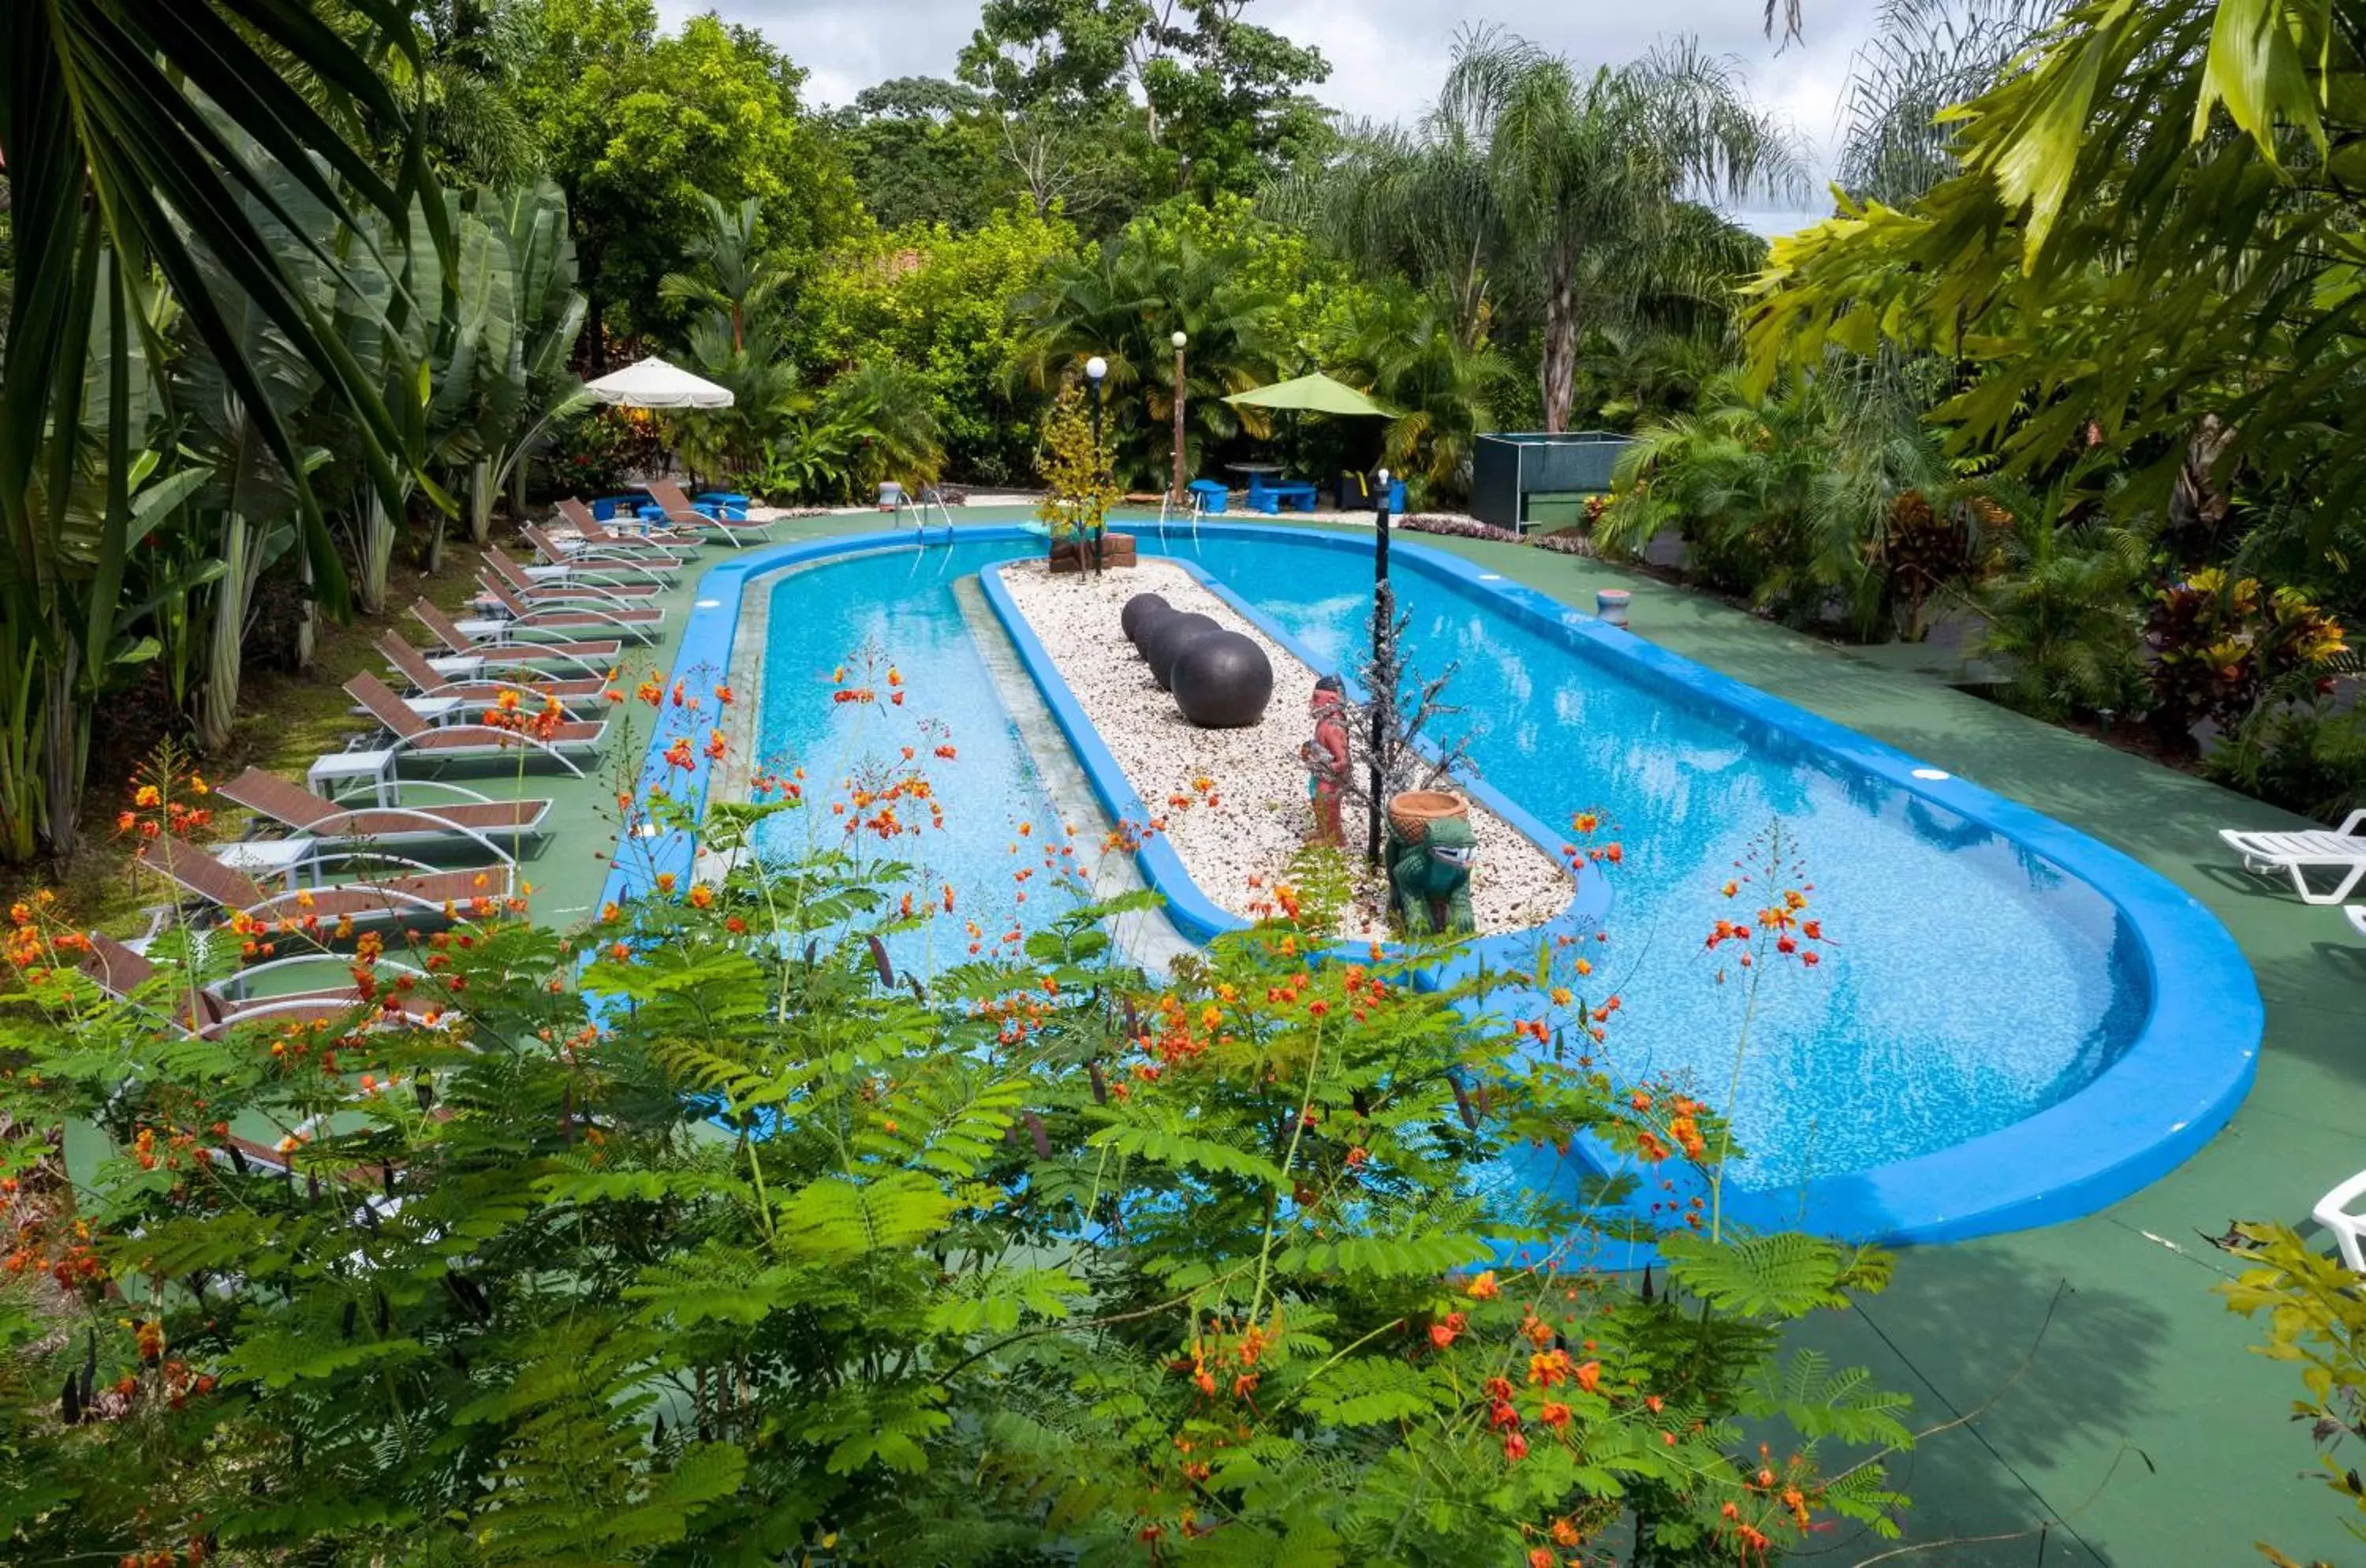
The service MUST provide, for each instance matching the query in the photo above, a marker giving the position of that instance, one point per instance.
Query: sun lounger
(474, 683)
(2339, 853)
(209, 1011)
(565, 555)
(306, 900)
(2349, 1230)
(474, 818)
(639, 624)
(599, 536)
(679, 515)
(549, 585)
(498, 638)
(456, 740)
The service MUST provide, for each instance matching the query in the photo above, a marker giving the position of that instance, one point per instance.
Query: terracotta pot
(1411, 813)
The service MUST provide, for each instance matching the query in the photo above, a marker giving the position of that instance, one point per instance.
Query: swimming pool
(2009, 1025)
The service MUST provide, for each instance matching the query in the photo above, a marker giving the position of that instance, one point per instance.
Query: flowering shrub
(704, 1234)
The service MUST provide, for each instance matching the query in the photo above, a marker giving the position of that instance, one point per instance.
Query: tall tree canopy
(637, 125)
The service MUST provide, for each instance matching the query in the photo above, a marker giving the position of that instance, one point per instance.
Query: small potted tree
(1078, 491)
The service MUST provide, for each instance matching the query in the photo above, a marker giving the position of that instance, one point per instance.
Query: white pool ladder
(1188, 512)
(927, 507)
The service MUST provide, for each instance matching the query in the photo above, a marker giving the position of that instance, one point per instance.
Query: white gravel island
(1261, 814)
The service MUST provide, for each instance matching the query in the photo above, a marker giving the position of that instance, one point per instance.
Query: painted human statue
(1326, 757)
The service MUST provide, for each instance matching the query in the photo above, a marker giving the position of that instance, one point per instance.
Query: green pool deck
(2099, 1406)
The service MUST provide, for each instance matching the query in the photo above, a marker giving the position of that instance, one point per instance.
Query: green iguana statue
(1430, 882)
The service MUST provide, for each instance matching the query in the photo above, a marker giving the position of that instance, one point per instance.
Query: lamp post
(1178, 339)
(1096, 368)
(1384, 661)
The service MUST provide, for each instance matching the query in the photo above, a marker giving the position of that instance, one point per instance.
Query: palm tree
(113, 116)
(1419, 205)
(1928, 55)
(729, 272)
(1591, 175)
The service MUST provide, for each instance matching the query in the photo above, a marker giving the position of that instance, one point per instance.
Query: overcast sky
(1387, 56)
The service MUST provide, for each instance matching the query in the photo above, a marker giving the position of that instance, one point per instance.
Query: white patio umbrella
(652, 383)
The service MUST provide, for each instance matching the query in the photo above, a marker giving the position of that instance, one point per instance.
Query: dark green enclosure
(1510, 468)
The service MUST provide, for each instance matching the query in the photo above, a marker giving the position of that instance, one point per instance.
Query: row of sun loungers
(537, 659)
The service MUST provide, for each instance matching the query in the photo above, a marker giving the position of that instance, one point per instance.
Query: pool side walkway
(2105, 1406)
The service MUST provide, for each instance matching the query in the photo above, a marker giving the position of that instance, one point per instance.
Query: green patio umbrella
(1313, 394)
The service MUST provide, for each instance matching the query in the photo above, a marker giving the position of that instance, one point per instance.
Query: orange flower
(1483, 1288)
(701, 896)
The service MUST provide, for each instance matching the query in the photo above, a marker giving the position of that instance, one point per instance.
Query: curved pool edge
(2173, 1087)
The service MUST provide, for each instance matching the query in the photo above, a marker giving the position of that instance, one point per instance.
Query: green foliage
(2062, 613)
(2316, 1322)
(939, 303)
(2307, 755)
(1078, 489)
(1818, 505)
(924, 152)
(701, 1236)
(2142, 230)
(642, 127)
(2220, 643)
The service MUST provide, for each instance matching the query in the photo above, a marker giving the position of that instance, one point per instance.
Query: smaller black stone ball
(1167, 638)
(1223, 680)
(1139, 612)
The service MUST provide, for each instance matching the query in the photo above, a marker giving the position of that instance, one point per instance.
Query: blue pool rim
(2167, 1093)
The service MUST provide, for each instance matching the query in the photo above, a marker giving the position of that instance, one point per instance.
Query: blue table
(1269, 499)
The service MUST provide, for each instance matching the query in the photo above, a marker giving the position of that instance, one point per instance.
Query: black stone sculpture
(1221, 680)
(1139, 612)
(1165, 639)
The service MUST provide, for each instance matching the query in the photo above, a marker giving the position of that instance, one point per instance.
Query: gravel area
(1262, 814)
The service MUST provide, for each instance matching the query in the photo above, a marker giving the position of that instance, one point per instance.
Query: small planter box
(1117, 551)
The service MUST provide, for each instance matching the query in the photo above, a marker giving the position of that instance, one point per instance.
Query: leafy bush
(594, 454)
(705, 1234)
(2220, 642)
(2061, 614)
(2308, 757)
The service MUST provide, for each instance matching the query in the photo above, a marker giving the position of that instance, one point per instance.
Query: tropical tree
(767, 392)
(940, 303)
(119, 174)
(1926, 57)
(1590, 175)
(872, 423)
(1418, 205)
(641, 126)
(729, 272)
(1123, 301)
(2145, 227)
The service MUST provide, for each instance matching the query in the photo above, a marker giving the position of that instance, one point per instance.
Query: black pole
(1098, 476)
(1384, 675)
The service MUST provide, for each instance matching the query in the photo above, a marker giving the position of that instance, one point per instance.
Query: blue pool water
(1968, 984)
(901, 606)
